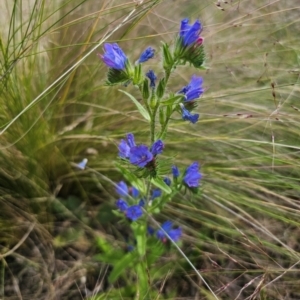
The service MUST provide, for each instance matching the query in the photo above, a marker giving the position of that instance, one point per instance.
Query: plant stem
(152, 126)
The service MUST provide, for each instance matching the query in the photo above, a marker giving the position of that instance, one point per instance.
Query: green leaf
(168, 60)
(172, 100)
(160, 91)
(104, 245)
(156, 250)
(139, 106)
(127, 261)
(136, 182)
(161, 184)
(110, 258)
(143, 284)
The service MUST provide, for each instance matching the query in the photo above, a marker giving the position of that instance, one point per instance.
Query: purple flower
(134, 192)
(192, 175)
(130, 140)
(190, 34)
(193, 90)
(122, 205)
(124, 149)
(175, 171)
(122, 189)
(187, 116)
(124, 146)
(150, 230)
(140, 156)
(166, 226)
(155, 193)
(114, 57)
(134, 212)
(151, 75)
(167, 181)
(82, 164)
(157, 147)
(174, 234)
(130, 248)
(142, 203)
(146, 55)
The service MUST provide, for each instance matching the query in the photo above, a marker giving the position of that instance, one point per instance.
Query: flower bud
(145, 89)
(137, 77)
(153, 101)
(161, 88)
(167, 57)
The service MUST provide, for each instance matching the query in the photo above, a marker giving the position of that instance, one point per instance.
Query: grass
(242, 233)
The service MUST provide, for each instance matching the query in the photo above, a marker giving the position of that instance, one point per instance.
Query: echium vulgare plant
(142, 165)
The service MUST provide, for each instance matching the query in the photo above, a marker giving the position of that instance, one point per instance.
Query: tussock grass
(242, 233)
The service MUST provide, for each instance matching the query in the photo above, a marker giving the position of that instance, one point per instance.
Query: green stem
(148, 191)
(168, 73)
(152, 126)
(164, 128)
(143, 281)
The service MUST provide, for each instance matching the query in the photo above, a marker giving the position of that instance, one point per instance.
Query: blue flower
(157, 147)
(114, 57)
(150, 230)
(82, 164)
(122, 189)
(146, 55)
(175, 171)
(151, 75)
(174, 234)
(167, 181)
(140, 156)
(134, 212)
(190, 34)
(134, 192)
(124, 146)
(193, 90)
(187, 116)
(130, 248)
(192, 175)
(155, 193)
(142, 203)
(124, 149)
(130, 140)
(122, 205)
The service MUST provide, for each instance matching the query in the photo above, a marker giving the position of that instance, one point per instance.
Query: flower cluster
(189, 46)
(190, 34)
(139, 155)
(191, 177)
(156, 105)
(120, 68)
(166, 229)
(191, 92)
(133, 212)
